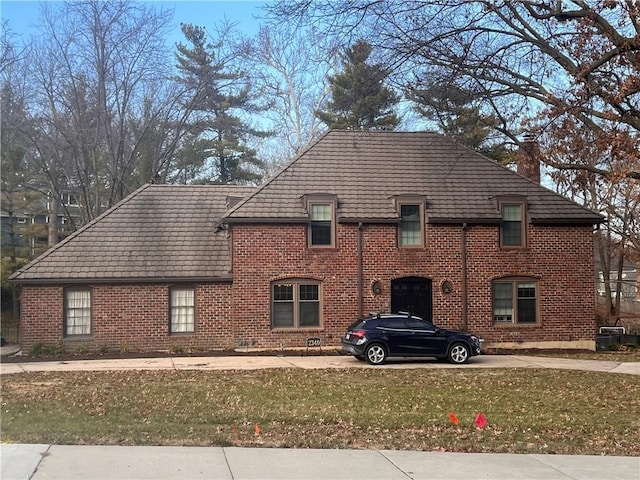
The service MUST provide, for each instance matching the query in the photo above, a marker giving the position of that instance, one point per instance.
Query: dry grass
(529, 411)
(622, 356)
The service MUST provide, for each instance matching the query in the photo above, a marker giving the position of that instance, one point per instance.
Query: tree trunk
(616, 306)
(52, 227)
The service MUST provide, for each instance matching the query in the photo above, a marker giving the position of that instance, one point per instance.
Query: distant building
(629, 291)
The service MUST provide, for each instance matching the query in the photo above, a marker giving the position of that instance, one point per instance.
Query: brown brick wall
(135, 317)
(127, 317)
(560, 258)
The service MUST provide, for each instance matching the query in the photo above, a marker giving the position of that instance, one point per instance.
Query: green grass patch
(529, 410)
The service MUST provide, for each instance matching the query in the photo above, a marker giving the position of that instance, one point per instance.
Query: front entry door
(413, 295)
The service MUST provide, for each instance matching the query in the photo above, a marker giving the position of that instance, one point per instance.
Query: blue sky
(23, 14)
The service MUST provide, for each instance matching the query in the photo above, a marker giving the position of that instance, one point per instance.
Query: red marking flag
(481, 421)
(453, 419)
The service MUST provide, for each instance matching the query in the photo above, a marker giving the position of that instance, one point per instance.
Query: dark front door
(413, 295)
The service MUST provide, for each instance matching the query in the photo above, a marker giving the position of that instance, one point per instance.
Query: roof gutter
(282, 221)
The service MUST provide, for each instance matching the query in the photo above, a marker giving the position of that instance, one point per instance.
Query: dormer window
(322, 220)
(512, 229)
(411, 227)
(321, 227)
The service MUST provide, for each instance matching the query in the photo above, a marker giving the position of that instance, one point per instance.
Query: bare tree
(289, 67)
(103, 73)
(566, 71)
(517, 56)
(616, 195)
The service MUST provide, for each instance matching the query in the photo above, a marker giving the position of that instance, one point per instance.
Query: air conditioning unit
(613, 330)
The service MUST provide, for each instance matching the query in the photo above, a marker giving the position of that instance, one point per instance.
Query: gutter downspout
(463, 241)
(360, 274)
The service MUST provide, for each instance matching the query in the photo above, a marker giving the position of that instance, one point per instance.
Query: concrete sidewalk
(39, 462)
(248, 362)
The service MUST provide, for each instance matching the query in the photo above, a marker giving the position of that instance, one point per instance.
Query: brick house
(358, 222)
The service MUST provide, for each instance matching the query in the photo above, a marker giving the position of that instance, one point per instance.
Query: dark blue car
(379, 336)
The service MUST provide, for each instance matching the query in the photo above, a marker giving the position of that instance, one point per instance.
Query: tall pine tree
(217, 135)
(360, 100)
(456, 113)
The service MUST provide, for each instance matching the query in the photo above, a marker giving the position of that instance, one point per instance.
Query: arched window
(296, 303)
(515, 300)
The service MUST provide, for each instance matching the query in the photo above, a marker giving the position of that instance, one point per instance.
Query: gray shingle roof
(366, 170)
(158, 232)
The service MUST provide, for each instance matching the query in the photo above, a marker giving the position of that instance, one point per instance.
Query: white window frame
(182, 309)
(77, 311)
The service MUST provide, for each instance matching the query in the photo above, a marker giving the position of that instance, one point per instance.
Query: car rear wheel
(375, 354)
(458, 353)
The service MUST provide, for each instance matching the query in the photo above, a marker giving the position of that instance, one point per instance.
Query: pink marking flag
(481, 421)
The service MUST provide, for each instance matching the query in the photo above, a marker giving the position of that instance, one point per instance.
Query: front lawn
(528, 410)
(624, 356)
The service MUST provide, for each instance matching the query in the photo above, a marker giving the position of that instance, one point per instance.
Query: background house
(358, 222)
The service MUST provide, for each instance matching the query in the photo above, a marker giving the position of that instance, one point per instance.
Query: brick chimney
(528, 158)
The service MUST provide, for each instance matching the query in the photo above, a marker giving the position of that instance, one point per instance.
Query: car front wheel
(458, 353)
(375, 354)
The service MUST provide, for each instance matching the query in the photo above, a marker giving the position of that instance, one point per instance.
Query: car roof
(393, 315)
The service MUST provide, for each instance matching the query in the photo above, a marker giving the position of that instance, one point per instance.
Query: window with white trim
(515, 301)
(77, 311)
(182, 305)
(295, 304)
